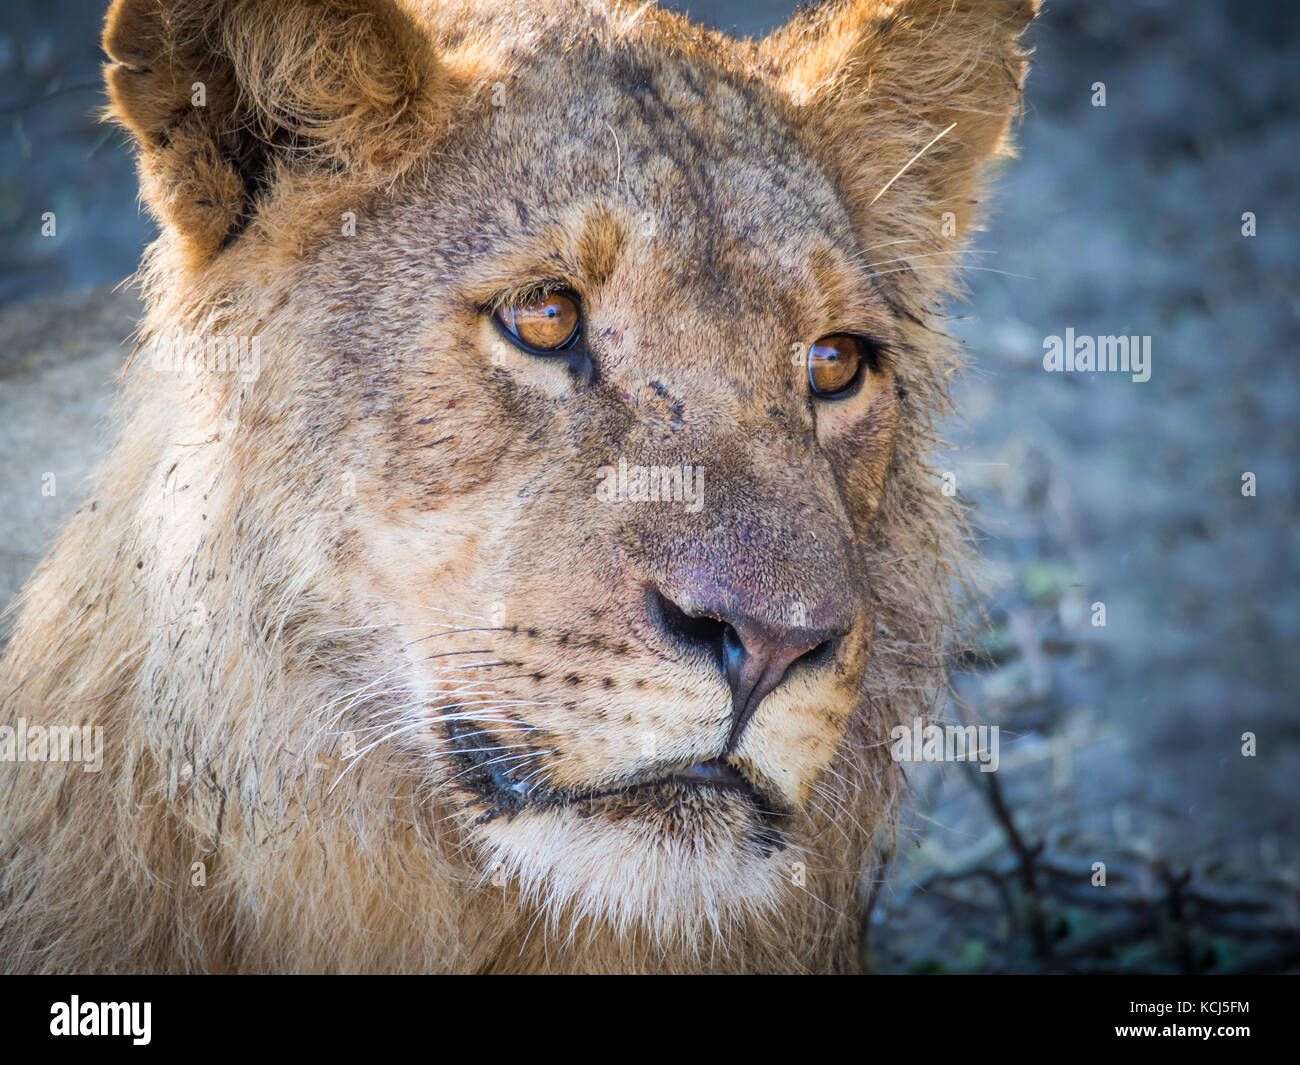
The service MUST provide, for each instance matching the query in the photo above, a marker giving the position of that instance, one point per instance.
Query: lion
(522, 530)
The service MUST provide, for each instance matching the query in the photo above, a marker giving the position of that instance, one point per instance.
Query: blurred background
(1120, 744)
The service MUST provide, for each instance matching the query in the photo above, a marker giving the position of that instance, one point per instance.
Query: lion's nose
(755, 654)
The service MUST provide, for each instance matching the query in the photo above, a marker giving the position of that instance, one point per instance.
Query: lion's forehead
(701, 155)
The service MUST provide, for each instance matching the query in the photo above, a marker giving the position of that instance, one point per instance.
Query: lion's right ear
(221, 94)
(918, 92)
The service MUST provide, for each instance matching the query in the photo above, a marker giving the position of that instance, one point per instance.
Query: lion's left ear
(926, 85)
(222, 96)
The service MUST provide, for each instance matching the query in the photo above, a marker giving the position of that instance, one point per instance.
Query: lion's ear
(926, 85)
(219, 93)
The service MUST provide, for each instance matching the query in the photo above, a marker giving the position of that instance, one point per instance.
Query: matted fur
(265, 567)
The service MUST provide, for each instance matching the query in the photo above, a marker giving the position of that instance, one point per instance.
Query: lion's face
(613, 366)
(669, 672)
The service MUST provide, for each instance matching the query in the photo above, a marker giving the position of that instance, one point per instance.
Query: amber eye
(548, 323)
(834, 363)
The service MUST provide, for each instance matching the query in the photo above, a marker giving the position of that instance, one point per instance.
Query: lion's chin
(670, 859)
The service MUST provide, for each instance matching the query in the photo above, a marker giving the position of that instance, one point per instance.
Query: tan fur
(269, 566)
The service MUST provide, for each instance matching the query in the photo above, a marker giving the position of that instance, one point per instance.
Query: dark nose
(755, 655)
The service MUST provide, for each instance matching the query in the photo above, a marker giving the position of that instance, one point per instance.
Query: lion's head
(574, 514)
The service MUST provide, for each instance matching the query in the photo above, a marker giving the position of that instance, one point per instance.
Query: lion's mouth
(715, 774)
(504, 791)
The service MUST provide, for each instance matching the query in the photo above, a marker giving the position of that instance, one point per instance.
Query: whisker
(907, 166)
(981, 269)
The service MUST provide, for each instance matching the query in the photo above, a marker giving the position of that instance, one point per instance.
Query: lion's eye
(834, 363)
(548, 323)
